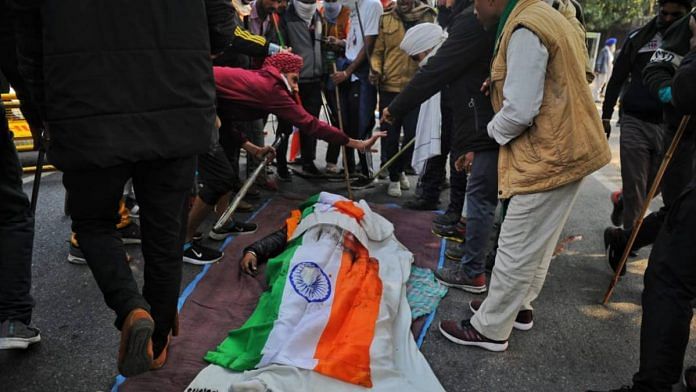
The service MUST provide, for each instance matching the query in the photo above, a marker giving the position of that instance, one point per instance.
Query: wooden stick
(343, 148)
(653, 191)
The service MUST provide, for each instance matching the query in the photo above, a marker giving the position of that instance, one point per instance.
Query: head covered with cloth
(422, 41)
(289, 65)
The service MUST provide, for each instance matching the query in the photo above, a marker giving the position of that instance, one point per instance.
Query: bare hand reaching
(366, 145)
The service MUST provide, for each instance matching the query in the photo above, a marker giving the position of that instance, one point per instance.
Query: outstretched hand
(372, 140)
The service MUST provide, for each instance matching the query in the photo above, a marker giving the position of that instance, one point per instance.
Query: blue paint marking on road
(119, 380)
(192, 286)
(431, 317)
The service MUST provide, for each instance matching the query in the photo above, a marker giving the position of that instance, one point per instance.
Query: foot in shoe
(284, 174)
(310, 169)
(404, 182)
(198, 254)
(450, 217)
(524, 321)
(455, 253)
(394, 189)
(15, 335)
(465, 334)
(459, 279)
(135, 348)
(75, 255)
(233, 228)
(331, 169)
(363, 183)
(421, 204)
(456, 232)
(130, 234)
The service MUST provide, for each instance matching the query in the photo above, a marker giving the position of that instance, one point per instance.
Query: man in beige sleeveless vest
(550, 138)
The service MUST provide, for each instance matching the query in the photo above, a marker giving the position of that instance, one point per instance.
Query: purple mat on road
(223, 298)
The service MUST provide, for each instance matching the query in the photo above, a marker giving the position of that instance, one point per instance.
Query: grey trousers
(641, 146)
(528, 237)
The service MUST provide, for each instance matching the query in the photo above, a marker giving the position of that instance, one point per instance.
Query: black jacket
(684, 90)
(462, 63)
(636, 99)
(121, 81)
(664, 63)
(269, 246)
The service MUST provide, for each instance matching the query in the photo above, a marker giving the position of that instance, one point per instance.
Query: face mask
(350, 4)
(305, 11)
(332, 10)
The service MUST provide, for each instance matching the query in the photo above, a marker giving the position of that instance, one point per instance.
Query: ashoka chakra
(310, 282)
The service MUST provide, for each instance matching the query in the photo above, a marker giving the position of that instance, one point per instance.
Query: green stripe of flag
(241, 350)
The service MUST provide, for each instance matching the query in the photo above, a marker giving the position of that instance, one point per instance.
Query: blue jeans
(481, 200)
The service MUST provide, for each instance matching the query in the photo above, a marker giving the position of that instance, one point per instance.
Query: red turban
(285, 62)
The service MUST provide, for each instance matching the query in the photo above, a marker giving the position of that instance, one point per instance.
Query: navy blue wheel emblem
(310, 282)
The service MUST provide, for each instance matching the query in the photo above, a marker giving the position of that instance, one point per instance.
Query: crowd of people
(147, 119)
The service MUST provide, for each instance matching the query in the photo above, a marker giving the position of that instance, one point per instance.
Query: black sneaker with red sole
(462, 332)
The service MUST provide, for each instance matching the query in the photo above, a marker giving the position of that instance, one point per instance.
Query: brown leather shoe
(135, 350)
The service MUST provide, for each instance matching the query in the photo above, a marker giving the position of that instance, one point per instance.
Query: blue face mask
(331, 11)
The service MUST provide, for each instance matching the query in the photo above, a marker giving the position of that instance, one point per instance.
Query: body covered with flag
(334, 316)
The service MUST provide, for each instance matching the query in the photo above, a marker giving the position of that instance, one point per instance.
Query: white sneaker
(331, 168)
(394, 189)
(403, 181)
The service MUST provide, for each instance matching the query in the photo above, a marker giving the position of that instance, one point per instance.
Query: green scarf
(503, 19)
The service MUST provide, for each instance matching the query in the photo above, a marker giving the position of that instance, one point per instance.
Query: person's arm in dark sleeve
(28, 27)
(270, 246)
(621, 72)
(226, 34)
(657, 75)
(466, 41)
(684, 90)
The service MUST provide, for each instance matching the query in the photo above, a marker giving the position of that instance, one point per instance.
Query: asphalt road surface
(576, 343)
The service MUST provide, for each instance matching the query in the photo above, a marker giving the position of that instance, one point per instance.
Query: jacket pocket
(532, 143)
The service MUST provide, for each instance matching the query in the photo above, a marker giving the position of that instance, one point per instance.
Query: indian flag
(320, 310)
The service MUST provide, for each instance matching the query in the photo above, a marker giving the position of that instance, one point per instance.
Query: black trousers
(670, 286)
(310, 96)
(333, 150)
(434, 173)
(16, 234)
(163, 187)
(391, 144)
(677, 176)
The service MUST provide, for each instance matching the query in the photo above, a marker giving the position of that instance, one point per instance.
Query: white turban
(422, 37)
